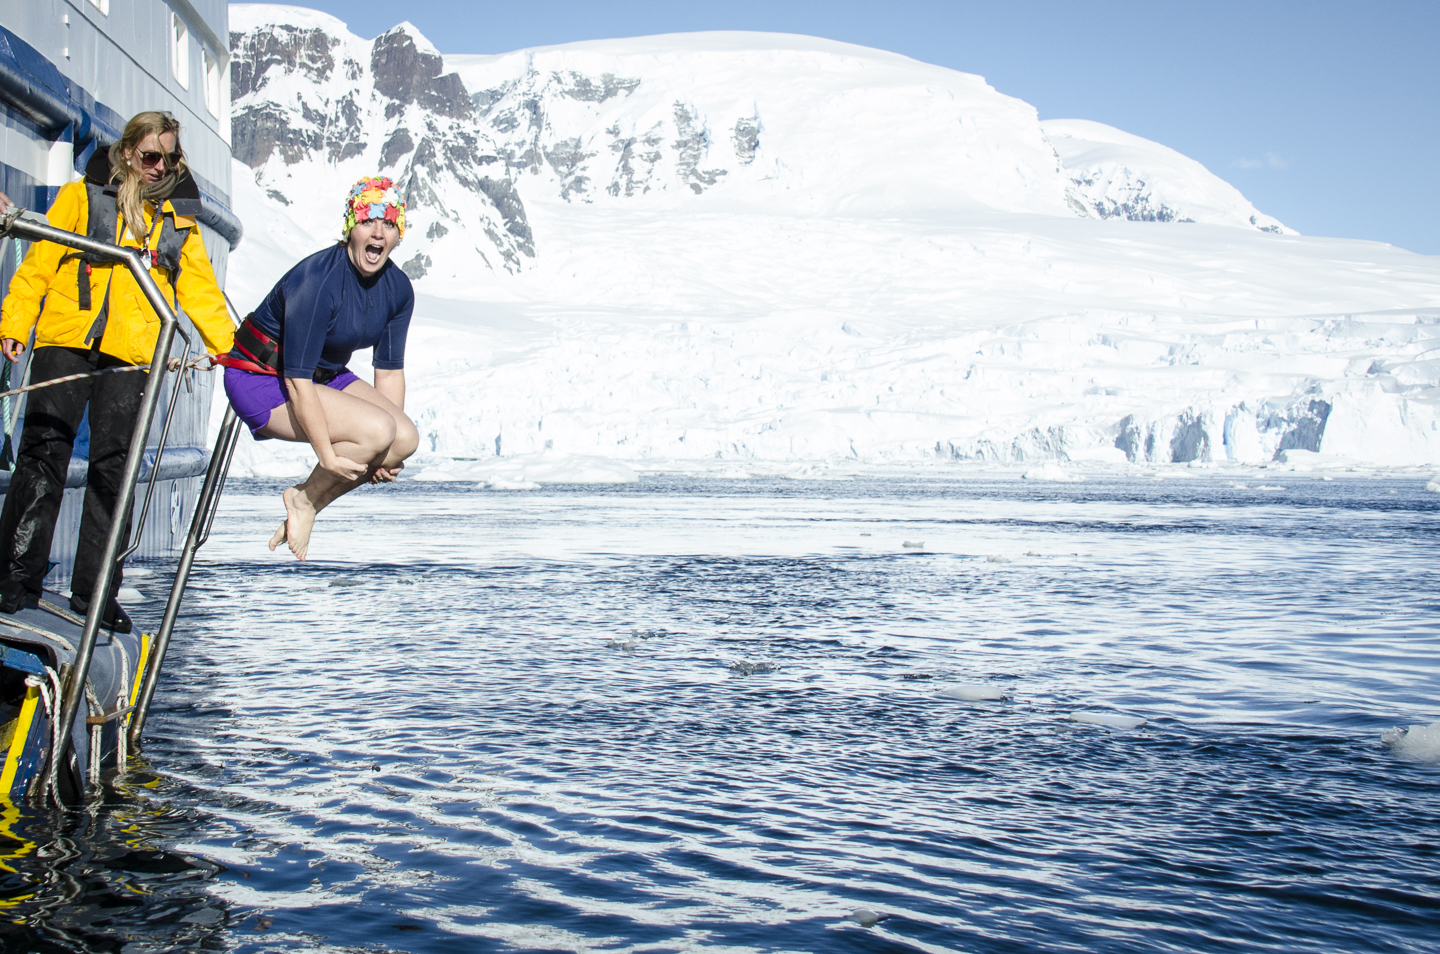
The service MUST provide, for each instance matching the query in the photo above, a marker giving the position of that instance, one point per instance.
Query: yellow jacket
(132, 326)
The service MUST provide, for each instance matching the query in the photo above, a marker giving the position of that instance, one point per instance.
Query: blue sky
(1326, 114)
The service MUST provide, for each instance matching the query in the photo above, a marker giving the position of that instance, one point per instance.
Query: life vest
(102, 197)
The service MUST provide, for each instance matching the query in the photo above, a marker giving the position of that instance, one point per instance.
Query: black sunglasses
(148, 159)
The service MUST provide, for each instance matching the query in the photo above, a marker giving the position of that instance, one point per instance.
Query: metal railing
(12, 224)
(206, 506)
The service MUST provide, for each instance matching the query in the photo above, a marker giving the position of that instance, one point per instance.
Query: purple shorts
(254, 396)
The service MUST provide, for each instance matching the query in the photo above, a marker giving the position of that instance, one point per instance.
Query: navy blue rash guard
(322, 312)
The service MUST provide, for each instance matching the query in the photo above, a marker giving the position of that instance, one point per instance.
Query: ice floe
(976, 693)
(1111, 720)
(1418, 741)
(866, 917)
(527, 471)
(1051, 472)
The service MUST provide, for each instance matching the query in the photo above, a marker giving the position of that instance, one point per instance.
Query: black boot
(13, 596)
(113, 617)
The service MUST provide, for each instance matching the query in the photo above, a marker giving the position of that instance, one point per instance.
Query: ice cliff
(764, 246)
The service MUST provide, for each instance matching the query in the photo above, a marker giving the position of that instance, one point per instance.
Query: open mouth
(374, 254)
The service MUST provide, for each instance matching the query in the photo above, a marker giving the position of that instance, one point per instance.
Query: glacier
(725, 250)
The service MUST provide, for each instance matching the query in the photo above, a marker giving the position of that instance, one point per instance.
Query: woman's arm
(311, 415)
(199, 294)
(391, 385)
(39, 268)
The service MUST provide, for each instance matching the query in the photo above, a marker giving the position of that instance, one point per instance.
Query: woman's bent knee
(407, 438)
(376, 434)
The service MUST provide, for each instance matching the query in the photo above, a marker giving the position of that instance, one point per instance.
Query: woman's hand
(385, 475)
(343, 467)
(11, 348)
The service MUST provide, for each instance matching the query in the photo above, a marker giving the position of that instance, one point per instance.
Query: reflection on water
(719, 715)
(100, 880)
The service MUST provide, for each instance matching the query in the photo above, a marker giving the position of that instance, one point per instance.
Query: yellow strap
(17, 742)
(140, 669)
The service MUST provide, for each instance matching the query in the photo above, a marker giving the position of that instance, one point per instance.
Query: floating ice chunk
(1269, 487)
(1304, 460)
(913, 544)
(1110, 720)
(817, 472)
(546, 467)
(975, 693)
(1050, 472)
(865, 917)
(997, 558)
(1434, 486)
(504, 483)
(628, 645)
(130, 595)
(1419, 741)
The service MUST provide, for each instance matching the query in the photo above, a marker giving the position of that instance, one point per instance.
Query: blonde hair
(133, 188)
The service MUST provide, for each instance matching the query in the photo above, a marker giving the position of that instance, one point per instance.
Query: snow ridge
(1117, 175)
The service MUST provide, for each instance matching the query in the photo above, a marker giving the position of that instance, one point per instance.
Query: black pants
(37, 485)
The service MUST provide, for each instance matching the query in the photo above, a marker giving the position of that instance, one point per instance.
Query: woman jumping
(287, 379)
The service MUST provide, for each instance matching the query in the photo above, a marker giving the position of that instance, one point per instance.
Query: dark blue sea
(891, 714)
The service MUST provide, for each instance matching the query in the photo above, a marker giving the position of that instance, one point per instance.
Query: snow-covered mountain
(720, 246)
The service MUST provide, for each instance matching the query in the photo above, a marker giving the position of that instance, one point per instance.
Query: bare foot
(299, 521)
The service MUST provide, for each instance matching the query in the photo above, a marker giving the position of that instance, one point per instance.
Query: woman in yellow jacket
(88, 316)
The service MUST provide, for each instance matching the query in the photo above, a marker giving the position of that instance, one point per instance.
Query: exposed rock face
(315, 108)
(746, 138)
(257, 131)
(1128, 199)
(408, 74)
(690, 148)
(282, 50)
(396, 147)
(417, 266)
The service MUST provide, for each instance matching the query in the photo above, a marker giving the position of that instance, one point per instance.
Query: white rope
(52, 637)
(56, 731)
(124, 663)
(95, 733)
(191, 366)
(47, 700)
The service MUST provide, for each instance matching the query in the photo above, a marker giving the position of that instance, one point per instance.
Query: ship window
(102, 5)
(180, 50)
(212, 83)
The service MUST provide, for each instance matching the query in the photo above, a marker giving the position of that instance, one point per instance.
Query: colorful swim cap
(372, 198)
